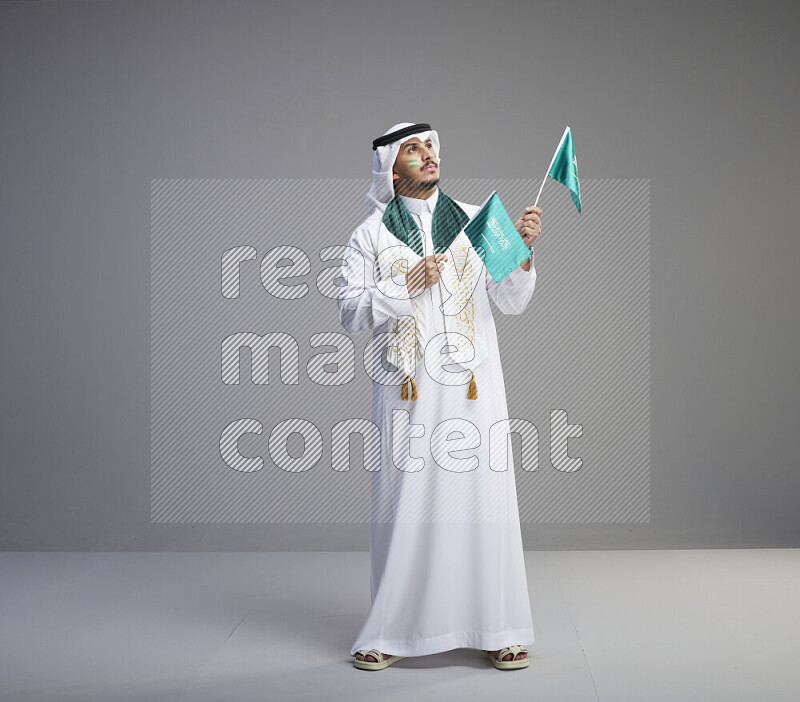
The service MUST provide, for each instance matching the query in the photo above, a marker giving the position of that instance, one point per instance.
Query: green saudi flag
(495, 238)
(564, 168)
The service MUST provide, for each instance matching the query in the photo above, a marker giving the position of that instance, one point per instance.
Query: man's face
(416, 168)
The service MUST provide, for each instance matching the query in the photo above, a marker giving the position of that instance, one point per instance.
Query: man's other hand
(426, 272)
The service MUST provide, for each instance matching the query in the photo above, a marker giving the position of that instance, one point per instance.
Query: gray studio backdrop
(144, 140)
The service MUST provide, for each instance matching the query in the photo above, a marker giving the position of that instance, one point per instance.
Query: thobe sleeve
(363, 302)
(512, 294)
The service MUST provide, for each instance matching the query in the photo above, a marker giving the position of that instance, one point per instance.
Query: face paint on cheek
(413, 164)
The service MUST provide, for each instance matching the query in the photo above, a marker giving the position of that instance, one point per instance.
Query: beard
(418, 186)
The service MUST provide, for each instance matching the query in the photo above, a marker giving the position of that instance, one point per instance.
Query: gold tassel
(473, 389)
(404, 391)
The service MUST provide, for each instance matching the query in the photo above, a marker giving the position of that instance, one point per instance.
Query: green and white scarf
(448, 220)
(460, 275)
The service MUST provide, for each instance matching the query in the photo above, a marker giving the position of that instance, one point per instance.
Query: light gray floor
(610, 625)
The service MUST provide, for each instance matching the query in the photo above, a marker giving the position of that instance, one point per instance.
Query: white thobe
(447, 570)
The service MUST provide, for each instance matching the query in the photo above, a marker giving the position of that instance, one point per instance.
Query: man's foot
(370, 658)
(510, 656)
(373, 659)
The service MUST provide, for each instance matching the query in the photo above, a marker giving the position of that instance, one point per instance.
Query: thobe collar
(446, 221)
(417, 206)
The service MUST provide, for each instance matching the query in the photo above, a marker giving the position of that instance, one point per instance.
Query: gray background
(100, 98)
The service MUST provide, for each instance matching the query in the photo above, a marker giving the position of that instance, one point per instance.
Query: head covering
(381, 191)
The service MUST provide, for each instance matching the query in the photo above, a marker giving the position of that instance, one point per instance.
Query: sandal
(380, 661)
(511, 664)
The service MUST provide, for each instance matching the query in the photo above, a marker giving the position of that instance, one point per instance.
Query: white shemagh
(459, 278)
(381, 191)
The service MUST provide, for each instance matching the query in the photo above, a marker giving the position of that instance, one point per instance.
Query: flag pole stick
(558, 148)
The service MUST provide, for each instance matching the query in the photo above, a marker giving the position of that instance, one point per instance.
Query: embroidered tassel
(404, 391)
(473, 389)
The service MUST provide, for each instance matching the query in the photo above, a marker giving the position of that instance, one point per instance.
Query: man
(447, 565)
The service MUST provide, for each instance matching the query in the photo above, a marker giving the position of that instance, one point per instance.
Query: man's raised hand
(426, 272)
(529, 226)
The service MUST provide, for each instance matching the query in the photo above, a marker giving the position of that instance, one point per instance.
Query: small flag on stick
(564, 168)
(496, 239)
